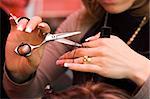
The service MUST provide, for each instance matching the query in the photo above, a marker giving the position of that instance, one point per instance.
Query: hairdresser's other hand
(110, 57)
(28, 32)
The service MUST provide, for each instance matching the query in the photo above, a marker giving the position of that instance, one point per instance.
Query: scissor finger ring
(23, 49)
(23, 18)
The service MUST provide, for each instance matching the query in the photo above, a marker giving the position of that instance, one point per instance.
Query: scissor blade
(68, 42)
(14, 18)
(67, 34)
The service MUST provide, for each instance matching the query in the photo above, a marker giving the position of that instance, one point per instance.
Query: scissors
(59, 37)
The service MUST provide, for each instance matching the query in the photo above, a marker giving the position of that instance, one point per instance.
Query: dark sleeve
(144, 92)
(47, 70)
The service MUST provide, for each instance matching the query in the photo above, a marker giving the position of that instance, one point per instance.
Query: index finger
(93, 43)
(99, 42)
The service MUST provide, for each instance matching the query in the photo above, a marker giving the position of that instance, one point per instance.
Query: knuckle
(102, 51)
(37, 18)
(79, 52)
(78, 60)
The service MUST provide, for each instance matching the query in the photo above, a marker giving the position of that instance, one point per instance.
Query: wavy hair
(90, 91)
(94, 8)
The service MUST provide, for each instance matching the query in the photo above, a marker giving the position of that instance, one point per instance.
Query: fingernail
(20, 28)
(41, 25)
(57, 62)
(29, 30)
(11, 18)
(88, 39)
(66, 65)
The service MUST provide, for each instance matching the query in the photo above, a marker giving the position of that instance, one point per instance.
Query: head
(90, 91)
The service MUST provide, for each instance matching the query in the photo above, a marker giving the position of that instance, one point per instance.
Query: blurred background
(52, 11)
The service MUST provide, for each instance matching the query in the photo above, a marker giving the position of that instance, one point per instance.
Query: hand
(29, 32)
(110, 57)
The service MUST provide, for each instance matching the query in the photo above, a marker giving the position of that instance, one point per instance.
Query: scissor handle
(23, 49)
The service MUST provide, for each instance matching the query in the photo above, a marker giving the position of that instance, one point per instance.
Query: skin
(25, 31)
(116, 6)
(107, 60)
(110, 57)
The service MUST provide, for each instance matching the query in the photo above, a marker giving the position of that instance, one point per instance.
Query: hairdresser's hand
(110, 57)
(29, 32)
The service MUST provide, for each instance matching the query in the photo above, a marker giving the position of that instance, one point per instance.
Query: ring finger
(79, 52)
(76, 60)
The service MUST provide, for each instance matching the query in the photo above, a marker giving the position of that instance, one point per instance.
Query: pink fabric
(47, 70)
(17, 7)
(63, 9)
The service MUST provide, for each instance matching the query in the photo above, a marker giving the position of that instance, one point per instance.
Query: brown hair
(93, 8)
(90, 91)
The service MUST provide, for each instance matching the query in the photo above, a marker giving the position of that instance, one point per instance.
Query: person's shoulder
(80, 20)
(79, 14)
(73, 21)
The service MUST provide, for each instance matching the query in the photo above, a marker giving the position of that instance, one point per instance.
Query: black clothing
(123, 25)
(4, 30)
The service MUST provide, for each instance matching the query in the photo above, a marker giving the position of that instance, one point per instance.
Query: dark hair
(4, 31)
(90, 91)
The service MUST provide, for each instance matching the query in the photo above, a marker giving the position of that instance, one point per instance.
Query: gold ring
(86, 60)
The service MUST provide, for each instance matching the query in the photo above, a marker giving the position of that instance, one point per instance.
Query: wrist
(19, 77)
(141, 75)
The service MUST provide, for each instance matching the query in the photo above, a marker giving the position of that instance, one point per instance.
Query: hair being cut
(90, 91)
